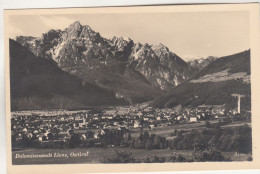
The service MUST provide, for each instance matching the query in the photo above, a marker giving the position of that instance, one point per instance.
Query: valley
(73, 90)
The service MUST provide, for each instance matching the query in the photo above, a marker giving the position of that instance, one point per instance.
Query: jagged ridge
(38, 83)
(215, 90)
(81, 51)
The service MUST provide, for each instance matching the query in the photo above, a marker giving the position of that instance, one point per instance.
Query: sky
(188, 34)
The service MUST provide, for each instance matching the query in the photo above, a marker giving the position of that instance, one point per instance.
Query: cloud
(56, 22)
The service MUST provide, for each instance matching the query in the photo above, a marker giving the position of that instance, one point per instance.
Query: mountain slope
(239, 62)
(200, 63)
(132, 70)
(38, 83)
(214, 84)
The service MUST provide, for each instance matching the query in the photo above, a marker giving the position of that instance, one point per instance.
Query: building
(136, 124)
(193, 119)
(82, 122)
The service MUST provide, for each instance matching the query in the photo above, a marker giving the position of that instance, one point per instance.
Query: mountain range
(111, 63)
(214, 85)
(200, 63)
(38, 83)
(126, 72)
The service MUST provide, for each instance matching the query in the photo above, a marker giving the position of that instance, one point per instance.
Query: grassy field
(165, 131)
(95, 155)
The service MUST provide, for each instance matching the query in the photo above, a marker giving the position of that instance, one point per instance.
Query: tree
(210, 152)
(148, 144)
(56, 130)
(25, 142)
(50, 136)
(141, 136)
(129, 137)
(74, 141)
(157, 141)
(14, 142)
(249, 158)
(152, 137)
(44, 138)
(207, 124)
(146, 136)
(132, 143)
(154, 159)
(177, 158)
(180, 133)
(120, 157)
(243, 139)
(174, 133)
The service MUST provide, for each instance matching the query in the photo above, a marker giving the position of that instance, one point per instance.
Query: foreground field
(96, 155)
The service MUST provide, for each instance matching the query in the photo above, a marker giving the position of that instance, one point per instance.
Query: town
(93, 124)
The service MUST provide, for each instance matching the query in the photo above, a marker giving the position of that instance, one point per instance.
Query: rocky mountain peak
(87, 29)
(79, 50)
(79, 32)
(199, 63)
(161, 50)
(160, 47)
(75, 25)
(121, 44)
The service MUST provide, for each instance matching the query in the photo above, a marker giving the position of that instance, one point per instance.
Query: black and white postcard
(146, 88)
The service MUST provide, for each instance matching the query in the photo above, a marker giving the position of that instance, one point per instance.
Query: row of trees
(196, 156)
(145, 141)
(206, 145)
(237, 139)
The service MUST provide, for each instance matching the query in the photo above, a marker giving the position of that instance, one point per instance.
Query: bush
(207, 124)
(153, 159)
(120, 157)
(174, 133)
(74, 141)
(207, 155)
(250, 159)
(177, 158)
